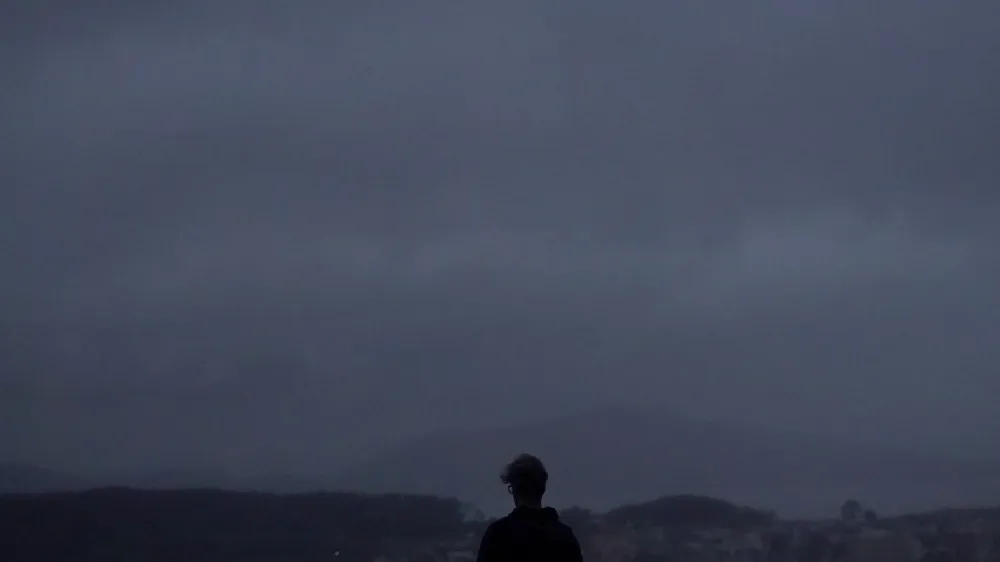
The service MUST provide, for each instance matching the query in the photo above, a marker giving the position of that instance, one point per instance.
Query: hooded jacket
(529, 535)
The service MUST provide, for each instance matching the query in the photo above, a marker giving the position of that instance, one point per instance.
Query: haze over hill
(607, 457)
(26, 478)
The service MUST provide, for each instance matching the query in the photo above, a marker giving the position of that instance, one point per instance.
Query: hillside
(689, 510)
(608, 457)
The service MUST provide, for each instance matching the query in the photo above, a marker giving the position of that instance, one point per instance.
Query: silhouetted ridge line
(689, 509)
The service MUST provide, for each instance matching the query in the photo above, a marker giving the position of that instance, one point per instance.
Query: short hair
(526, 476)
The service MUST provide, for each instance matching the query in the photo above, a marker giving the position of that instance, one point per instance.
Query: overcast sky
(289, 232)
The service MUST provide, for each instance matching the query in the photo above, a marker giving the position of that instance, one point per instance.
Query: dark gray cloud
(252, 232)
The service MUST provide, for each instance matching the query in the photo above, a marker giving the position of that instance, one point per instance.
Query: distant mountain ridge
(609, 457)
(613, 456)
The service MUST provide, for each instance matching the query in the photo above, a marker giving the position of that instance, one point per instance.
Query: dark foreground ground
(118, 524)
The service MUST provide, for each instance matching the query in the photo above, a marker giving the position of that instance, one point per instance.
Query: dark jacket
(529, 535)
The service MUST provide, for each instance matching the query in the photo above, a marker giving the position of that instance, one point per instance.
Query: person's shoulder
(498, 524)
(565, 529)
(556, 521)
(565, 532)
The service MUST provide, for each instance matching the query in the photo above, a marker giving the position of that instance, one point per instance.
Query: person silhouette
(529, 533)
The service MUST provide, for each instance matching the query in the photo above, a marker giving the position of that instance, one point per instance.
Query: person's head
(525, 477)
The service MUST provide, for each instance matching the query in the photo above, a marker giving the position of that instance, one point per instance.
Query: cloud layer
(331, 227)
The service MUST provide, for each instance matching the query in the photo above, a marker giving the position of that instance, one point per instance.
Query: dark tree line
(192, 525)
(117, 524)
